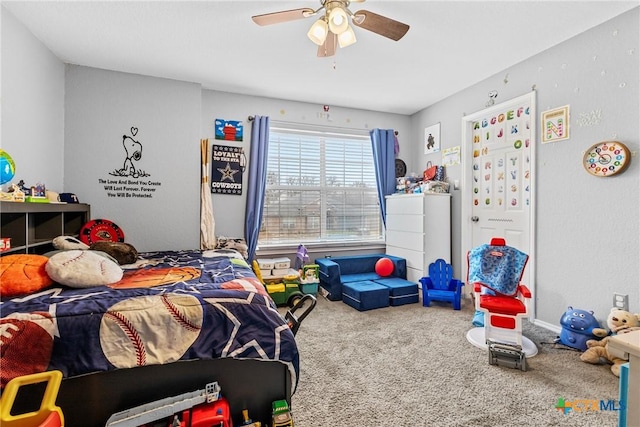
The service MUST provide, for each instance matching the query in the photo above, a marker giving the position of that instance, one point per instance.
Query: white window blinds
(321, 187)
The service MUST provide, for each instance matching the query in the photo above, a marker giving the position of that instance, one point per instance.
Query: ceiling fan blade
(283, 16)
(379, 24)
(329, 46)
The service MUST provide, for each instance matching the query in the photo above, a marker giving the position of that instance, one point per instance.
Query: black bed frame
(89, 400)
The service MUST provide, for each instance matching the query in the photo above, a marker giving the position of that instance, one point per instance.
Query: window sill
(289, 249)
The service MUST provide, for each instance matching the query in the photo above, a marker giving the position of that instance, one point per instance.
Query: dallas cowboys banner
(226, 170)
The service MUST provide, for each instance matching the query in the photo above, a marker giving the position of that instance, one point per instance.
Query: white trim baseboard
(553, 328)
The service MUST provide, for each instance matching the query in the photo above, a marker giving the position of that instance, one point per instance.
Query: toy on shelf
(280, 414)
(15, 194)
(248, 422)
(7, 167)
(198, 408)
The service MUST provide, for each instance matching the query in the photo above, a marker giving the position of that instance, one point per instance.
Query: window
(321, 187)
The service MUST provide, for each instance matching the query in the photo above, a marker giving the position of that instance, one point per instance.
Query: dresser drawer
(408, 223)
(406, 205)
(415, 259)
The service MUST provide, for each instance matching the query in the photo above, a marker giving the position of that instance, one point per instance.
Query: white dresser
(419, 230)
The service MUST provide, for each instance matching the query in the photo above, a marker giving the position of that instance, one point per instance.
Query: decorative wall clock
(606, 158)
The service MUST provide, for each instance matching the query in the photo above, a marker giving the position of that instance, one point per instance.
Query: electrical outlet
(621, 301)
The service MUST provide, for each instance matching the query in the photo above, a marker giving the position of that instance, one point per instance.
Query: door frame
(466, 152)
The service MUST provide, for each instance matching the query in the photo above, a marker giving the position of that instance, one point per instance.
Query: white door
(499, 148)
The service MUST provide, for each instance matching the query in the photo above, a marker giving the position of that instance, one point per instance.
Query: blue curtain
(383, 144)
(257, 182)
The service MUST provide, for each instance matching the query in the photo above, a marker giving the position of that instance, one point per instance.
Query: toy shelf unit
(418, 229)
(29, 228)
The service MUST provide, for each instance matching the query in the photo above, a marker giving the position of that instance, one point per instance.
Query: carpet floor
(413, 366)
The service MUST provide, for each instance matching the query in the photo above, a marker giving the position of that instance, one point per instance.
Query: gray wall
(229, 209)
(573, 208)
(587, 240)
(159, 206)
(32, 106)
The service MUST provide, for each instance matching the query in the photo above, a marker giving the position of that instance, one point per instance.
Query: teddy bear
(619, 322)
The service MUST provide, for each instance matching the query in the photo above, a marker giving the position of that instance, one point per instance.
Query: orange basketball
(23, 274)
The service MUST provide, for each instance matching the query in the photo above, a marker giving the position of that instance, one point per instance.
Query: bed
(176, 321)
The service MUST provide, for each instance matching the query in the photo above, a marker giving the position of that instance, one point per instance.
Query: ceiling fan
(332, 29)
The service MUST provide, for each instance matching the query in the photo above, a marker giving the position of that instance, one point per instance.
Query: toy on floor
(440, 285)
(302, 257)
(579, 326)
(310, 279)
(619, 322)
(499, 268)
(285, 292)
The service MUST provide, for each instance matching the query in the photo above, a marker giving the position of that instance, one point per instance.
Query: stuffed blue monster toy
(578, 326)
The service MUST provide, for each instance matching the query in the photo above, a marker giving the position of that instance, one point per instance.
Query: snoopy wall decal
(133, 153)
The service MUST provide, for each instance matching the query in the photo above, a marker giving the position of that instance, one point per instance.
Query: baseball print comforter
(169, 306)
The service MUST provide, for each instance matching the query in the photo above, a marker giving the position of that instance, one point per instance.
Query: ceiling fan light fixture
(347, 38)
(318, 32)
(338, 20)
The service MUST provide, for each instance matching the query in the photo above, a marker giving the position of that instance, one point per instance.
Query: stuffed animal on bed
(123, 253)
(239, 245)
(619, 322)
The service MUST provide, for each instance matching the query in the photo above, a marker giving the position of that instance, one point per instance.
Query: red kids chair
(495, 271)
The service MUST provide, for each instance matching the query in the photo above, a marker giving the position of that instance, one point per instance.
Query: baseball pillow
(83, 269)
(23, 274)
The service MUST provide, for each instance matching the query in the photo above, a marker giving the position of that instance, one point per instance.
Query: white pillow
(83, 269)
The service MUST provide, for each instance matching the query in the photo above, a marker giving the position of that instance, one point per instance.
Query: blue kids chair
(440, 285)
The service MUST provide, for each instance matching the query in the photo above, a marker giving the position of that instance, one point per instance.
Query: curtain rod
(252, 118)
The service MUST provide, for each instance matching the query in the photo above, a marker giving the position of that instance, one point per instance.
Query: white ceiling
(451, 45)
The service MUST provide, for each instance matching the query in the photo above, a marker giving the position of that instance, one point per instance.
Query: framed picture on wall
(555, 124)
(432, 139)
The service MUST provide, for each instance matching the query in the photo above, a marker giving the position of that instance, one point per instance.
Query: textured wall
(158, 204)
(587, 228)
(32, 106)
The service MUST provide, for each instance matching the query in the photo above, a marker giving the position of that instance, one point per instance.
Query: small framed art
(555, 124)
